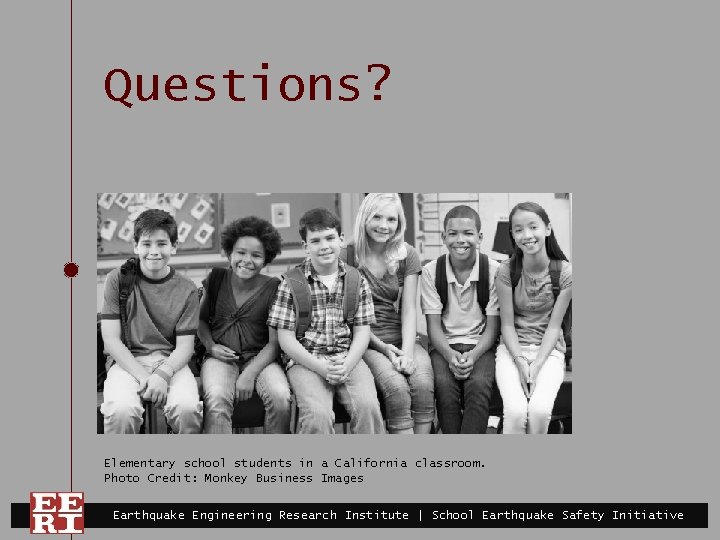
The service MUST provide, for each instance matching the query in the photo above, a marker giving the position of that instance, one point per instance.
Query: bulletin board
(198, 216)
(283, 210)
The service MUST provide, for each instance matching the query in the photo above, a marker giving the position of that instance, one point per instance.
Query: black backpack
(483, 285)
(555, 268)
(213, 287)
(128, 278)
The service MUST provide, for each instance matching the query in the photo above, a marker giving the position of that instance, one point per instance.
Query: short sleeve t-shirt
(462, 320)
(386, 295)
(534, 302)
(158, 311)
(243, 328)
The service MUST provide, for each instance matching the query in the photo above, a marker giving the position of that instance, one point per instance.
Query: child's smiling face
(248, 257)
(461, 238)
(154, 251)
(529, 232)
(383, 224)
(323, 248)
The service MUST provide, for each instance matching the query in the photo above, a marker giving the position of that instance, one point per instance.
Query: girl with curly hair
(241, 350)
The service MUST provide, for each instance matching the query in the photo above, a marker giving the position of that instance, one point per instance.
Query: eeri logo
(58, 512)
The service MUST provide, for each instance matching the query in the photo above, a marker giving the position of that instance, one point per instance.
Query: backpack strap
(214, 281)
(515, 271)
(350, 255)
(351, 294)
(297, 281)
(483, 284)
(128, 278)
(555, 267)
(441, 283)
(303, 302)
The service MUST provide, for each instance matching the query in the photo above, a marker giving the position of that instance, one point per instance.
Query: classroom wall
(492, 207)
(428, 212)
(236, 205)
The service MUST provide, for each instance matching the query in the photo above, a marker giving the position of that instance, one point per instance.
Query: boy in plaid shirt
(328, 357)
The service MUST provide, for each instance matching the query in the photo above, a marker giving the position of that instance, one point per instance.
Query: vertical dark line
(71, 245)
(71, 130)
(71, 385)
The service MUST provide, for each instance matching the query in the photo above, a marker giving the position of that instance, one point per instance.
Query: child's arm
(341, 366)
(489, 336)
(159, 380)
(364, 317)
(376, 343)
(186, 328)
(245, 383)
(216, 350)
(408, 315)
(111, 332)
(509, 334)
(293, 348)
(487, 342)
(552, 332)
(281, 317)
(358, 346)
(432, 308)
(439, 342)
(387, 349)
(507, 311)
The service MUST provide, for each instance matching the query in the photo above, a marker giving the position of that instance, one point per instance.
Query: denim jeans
(122, 407)
(314, 397)
(218, 381)
(521, 415)
(409, 399)
(463, 406)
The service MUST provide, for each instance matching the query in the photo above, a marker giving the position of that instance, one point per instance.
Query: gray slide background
(613, 101)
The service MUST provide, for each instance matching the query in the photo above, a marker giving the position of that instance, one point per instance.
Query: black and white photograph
(368, 313)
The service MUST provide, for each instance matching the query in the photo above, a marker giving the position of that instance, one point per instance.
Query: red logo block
(57, 512)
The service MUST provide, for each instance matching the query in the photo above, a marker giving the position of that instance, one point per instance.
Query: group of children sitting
(342, 325)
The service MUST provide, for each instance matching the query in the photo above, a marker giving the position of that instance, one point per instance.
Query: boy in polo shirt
(462, 340)
(162, 321)
(328, 357)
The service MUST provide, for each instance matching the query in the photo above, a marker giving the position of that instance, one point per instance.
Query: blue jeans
(218, 382)
(464, 406)
(314, 397)
(409, 399)
(123, 408)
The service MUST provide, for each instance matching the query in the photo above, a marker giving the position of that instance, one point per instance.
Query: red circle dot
(71, 269)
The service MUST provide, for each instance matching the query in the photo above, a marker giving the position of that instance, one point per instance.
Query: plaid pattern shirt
(328, 333)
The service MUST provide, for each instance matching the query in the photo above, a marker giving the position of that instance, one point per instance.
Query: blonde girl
(401, 367)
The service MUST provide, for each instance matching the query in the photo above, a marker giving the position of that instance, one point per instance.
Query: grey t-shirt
(386, 296)
(158, 311)
(534, 302)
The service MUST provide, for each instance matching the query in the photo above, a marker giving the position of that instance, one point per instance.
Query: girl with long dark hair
(530, 361)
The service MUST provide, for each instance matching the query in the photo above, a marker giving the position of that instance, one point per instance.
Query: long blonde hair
(395, 250)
